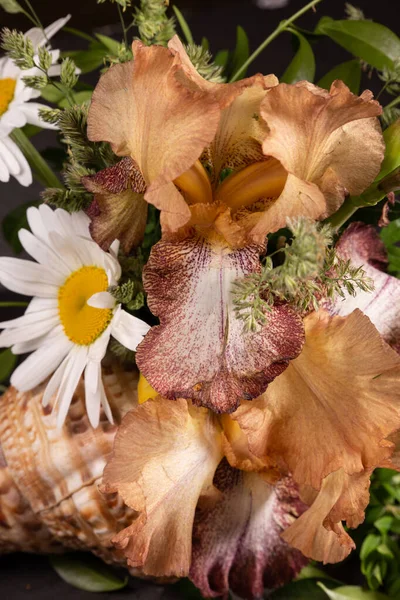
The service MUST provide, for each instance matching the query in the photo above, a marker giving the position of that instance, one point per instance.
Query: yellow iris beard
(7, 89)
(145, 391)
(82, 323)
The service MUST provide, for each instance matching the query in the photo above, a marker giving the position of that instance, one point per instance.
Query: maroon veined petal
(237, 544)
(361, 245)
(118, 210)
(200, 351)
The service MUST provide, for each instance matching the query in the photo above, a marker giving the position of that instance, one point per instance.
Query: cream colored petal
(145, 112)
(329, 139)
(334, 405)
(362, 245)
(165, 456)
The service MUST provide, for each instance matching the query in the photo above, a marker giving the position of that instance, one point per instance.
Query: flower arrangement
(213, 331)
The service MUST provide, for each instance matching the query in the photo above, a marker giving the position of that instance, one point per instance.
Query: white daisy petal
(39, 304)
(28, 271)
(54, 382)
(72, 374)
(114, 248)
(102, 300)
(30, 317)
(28, 288)
(9, 337)
(93, 392)
(9, 159)
(4, 172)
(42, 253)
(40, 364)
(105, 403)
(24, 175)
(127, 329)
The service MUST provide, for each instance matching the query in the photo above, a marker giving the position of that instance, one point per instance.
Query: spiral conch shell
(49, 477)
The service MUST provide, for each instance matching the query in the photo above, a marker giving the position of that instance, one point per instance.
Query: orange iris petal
(195, 184)
(260, 180)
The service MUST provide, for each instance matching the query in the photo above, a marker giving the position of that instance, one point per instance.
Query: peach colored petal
(118, 210)
(165, 456)
(142, 109)
(319, 533)
(326, 139)
(200, 351)
(237, 544)
(361, 245)
(334, 405)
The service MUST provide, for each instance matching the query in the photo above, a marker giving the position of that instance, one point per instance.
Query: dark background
(31, 577)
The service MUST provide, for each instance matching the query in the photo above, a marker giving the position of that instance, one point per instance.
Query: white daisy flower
(15, 108)
(68, 323)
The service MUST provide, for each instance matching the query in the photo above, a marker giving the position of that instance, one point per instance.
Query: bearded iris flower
(289, 151)
(314, 399)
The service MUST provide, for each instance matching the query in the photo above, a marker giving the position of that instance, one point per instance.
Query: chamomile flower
(69, 321)
(15, 108)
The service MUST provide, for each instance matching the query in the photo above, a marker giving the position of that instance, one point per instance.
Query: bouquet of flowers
(213, 331)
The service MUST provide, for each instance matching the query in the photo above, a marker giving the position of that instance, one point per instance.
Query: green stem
(344, 213)
(393, 103)
(34, 15)
(13, 303)
(281, 27)
(41, 169)
(121, 16)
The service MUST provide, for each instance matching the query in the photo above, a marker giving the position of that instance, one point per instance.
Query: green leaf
(349, 72)
(7, 364)
(390, 236)
(221, 58)
(79, 33)
(91, 59)
(109, 43)
(312, 572)
(391, 135)
(241, 52)
(303, 63)
(79, 98)
(11, 6)
(13, 222)
(304, 589)
(383, 524)
(86, 572)
(352, 591)
(370, 544)
(372, 42)
(184, 26)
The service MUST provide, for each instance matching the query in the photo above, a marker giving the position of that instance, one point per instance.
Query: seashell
(49, 477)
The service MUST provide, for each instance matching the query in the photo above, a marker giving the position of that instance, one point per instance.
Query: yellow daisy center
(7, 89)
(82, 323)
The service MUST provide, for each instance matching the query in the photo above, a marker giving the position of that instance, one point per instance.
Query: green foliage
(390, 236)
(124, 4)
(13, 222)
(202, 61)
(11, 6)
(310, 271)
(372, 42)
(18, 47)
(67, 75)
(349, 72)
(129, 293)
(378, 537)
(86, 572)
(8, 361)
(183, 25)
(241, 52)
(303, 63)
(154, 26)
